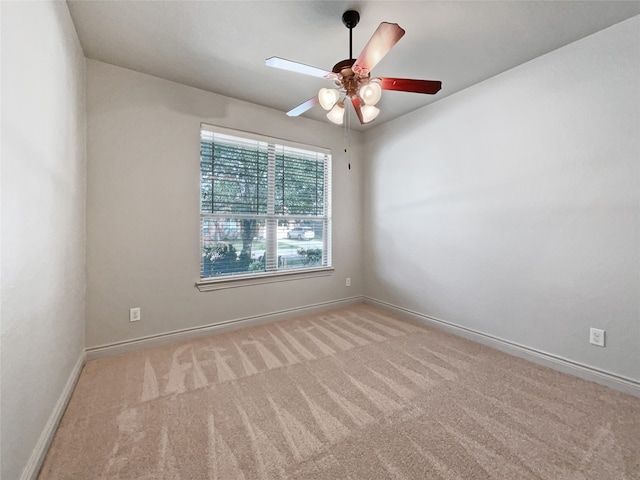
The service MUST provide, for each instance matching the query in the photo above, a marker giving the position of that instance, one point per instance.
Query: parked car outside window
(301, 233)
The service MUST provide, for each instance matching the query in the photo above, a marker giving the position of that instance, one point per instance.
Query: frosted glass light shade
(336, 115)
(370, 93)
(369, 113)
(328, 97)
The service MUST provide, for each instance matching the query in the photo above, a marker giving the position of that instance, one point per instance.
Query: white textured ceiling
(221, 46)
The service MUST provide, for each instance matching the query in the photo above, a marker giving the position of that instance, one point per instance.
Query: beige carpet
(353, 393)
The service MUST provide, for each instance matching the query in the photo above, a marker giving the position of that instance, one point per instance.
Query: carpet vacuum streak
(353, 393)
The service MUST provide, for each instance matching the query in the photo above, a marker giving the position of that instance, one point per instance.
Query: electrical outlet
(596, 337)
(348, 282)
(134, 314)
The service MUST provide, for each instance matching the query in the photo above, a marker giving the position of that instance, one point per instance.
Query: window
(265, 205)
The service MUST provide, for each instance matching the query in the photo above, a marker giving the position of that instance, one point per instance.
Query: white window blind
(265, 205)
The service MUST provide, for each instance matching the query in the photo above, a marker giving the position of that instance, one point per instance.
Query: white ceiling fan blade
(297, 67)
(303, 107)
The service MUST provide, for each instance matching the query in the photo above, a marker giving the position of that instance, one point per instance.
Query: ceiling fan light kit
(369, 113)
(353, 76)
(328, 97)
(336, 115)
(371, 92)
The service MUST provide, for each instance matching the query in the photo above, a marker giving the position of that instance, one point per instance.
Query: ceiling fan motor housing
(347, 78)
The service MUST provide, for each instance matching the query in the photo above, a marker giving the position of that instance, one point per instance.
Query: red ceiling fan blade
(409, 85)
(297, 67)
(357, 106)
(385, 37)
(303, 107)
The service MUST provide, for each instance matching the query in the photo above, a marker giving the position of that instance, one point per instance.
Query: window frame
(271, 274)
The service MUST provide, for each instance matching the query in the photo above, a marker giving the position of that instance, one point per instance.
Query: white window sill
(262, 278)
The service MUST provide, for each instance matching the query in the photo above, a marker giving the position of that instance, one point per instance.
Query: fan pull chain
(347, 137)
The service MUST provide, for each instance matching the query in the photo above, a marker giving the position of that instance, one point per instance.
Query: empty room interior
(320, 240)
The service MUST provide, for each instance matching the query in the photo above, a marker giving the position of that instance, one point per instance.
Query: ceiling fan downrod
(350, 18)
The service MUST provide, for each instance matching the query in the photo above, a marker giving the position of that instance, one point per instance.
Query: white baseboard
(564, 365)
(204, 330)
(38, 454)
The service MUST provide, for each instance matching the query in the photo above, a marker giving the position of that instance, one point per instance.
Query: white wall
(143, 207)
(512, 208)
(43, 226)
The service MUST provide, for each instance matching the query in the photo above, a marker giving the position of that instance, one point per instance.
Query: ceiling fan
(353, 76)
